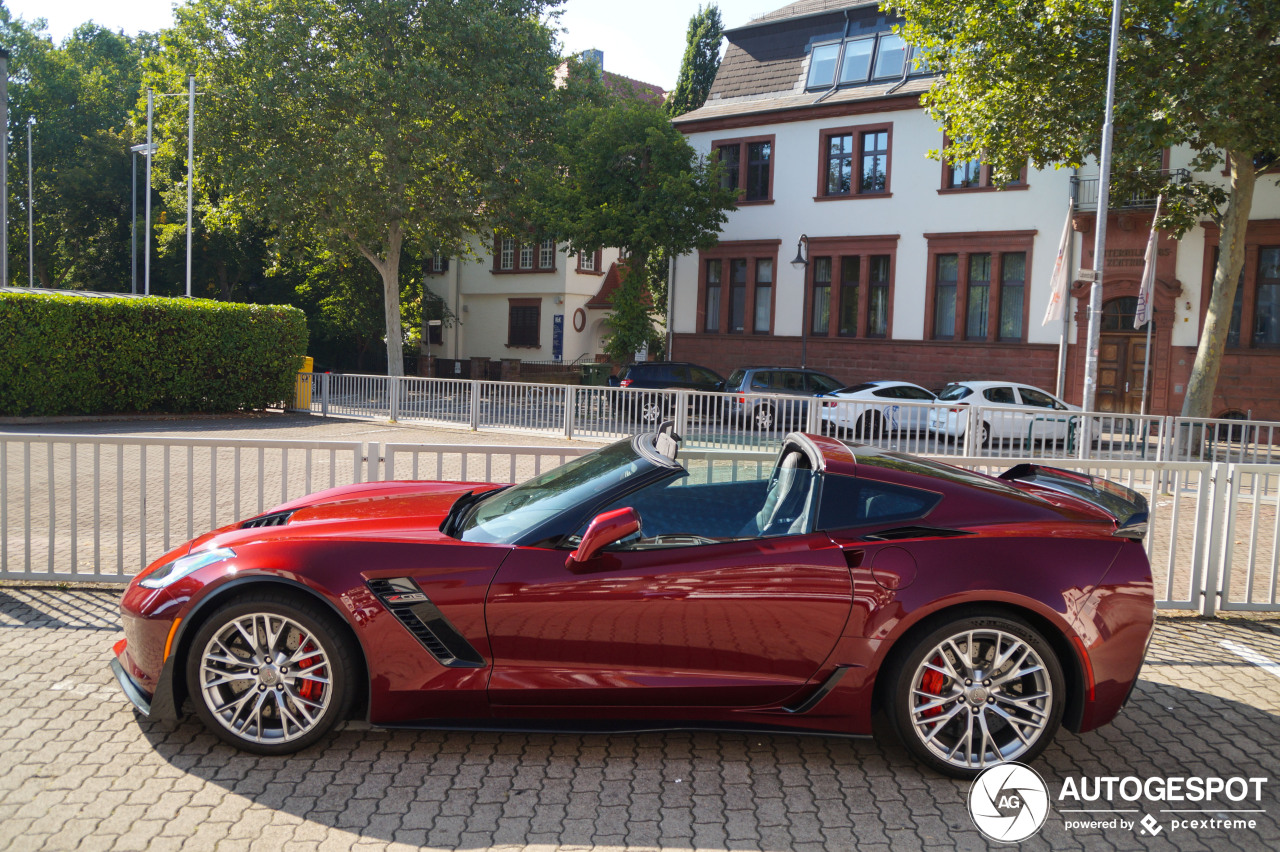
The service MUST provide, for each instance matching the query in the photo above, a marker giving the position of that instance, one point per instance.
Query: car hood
(378, 510)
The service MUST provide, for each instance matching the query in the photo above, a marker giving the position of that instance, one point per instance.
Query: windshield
(507, 515)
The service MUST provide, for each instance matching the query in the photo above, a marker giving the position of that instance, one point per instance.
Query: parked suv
(777, 382)
(660, 375)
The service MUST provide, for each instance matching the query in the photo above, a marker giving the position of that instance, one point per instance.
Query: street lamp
(801, 263)
(146, 150)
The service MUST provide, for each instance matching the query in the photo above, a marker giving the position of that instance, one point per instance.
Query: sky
(643, 40)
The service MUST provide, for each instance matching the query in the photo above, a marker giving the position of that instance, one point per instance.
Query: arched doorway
(1122, 354)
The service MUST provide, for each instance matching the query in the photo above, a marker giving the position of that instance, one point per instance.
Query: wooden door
(1120, 361)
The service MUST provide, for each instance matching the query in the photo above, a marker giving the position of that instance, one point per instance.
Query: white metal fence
(758, 421)
(100, 508)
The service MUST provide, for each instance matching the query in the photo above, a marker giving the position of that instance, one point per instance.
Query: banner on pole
(1142, 315)
(1059, 280)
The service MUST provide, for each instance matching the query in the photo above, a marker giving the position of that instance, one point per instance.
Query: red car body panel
(741, 632)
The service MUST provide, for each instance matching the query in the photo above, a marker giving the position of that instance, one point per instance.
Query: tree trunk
(389, 269)
(1226, 277)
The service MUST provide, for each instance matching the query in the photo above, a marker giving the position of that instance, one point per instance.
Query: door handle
(1126, 387)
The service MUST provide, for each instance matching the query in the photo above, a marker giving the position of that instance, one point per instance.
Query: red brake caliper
(931, 683)
(310, 689)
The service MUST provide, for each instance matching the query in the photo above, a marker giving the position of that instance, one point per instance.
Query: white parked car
(1011, 413)
(876, 408)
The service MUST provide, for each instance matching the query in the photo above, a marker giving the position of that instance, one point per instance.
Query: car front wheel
(270, 674)
(976, 692)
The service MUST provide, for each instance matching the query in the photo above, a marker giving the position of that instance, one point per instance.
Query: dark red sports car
(632, 589)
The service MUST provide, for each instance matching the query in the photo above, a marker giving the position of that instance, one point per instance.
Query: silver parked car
(773, 397)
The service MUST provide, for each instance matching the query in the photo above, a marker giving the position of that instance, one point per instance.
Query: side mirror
(603, 531)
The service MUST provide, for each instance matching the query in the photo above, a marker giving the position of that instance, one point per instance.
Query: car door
(1004, 419)
(708, 621)
(1051, 416)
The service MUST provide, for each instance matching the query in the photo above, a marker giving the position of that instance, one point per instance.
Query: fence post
(393, 398)
(324, 394)
(570, 409)
(813, 416)
(475, 405)
(372, 460)
(972, 432)
(1220, 516)
(682, 412)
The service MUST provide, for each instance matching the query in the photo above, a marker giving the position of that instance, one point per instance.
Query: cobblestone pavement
(78, 770)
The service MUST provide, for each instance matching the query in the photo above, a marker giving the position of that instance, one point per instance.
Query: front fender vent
(275, 519)
(405, 600)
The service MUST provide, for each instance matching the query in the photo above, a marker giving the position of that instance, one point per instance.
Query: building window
(821, 305)
(589, 261)
(850, 286)
(746, 270)
(1013, 288)
(747, 166)
(510, 255)
(944, 306)
(737, 296)
(524, 317)
(854, 162)
(971, 175)
(437, 265)
(863, 56)
(1255, 312)
(763, 296)
(712, 322)
(1266, 316)
(977, 290)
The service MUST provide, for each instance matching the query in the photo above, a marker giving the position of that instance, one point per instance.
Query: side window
(915, 393)
(760, 381)
(701, 376)
(850, 502)
(819, 383)
(887, 393)
(1001, 395)
(679, 373)
(793, 381)
(1031, 396)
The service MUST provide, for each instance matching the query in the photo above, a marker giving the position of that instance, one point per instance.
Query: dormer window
(858, 60)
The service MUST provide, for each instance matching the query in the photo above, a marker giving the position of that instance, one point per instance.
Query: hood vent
(276, 519)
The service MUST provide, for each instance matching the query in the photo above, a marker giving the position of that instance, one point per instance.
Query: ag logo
(1009, 802)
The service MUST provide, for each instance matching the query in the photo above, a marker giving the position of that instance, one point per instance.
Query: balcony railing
(1086, 190)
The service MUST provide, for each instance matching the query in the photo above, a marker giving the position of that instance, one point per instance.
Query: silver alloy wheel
(651, 410)
(981, 697)
(764, 417)
(266, 678)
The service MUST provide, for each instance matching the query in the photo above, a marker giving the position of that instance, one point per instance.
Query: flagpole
(1146, 295)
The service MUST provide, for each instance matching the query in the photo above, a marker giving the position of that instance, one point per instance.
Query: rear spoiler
(1127, 506)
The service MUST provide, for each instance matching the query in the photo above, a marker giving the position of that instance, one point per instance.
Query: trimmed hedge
(67, 354)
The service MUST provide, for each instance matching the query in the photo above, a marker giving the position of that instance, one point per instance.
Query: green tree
(631, 180)
(700, 63)
(1023, 81)
(80, 94)
(370, 125)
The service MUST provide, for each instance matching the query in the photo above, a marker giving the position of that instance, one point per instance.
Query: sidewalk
(78, 770)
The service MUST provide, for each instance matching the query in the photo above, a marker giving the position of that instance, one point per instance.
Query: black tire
(986, 435)
(870, 425)
(293, 711)
(1039, 688)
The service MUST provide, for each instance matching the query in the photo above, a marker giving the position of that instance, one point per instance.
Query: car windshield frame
(542, 507)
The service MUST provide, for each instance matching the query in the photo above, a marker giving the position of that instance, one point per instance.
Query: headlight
(174, 571)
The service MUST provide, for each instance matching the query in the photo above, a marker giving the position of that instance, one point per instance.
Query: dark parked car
(660, 375)
(767, 413)
(627, 591)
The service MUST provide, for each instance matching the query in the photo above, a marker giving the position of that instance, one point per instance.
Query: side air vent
(913, 532)
(277, 519)
(412, 608)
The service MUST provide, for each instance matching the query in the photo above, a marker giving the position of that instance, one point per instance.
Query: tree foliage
(80, 94)
(372, 126)
(700, 63)
(629, 179)
(1026, 81)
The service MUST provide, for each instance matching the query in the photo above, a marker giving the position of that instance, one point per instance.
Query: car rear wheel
(976, 692)
(270, 674)
(871, 425)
